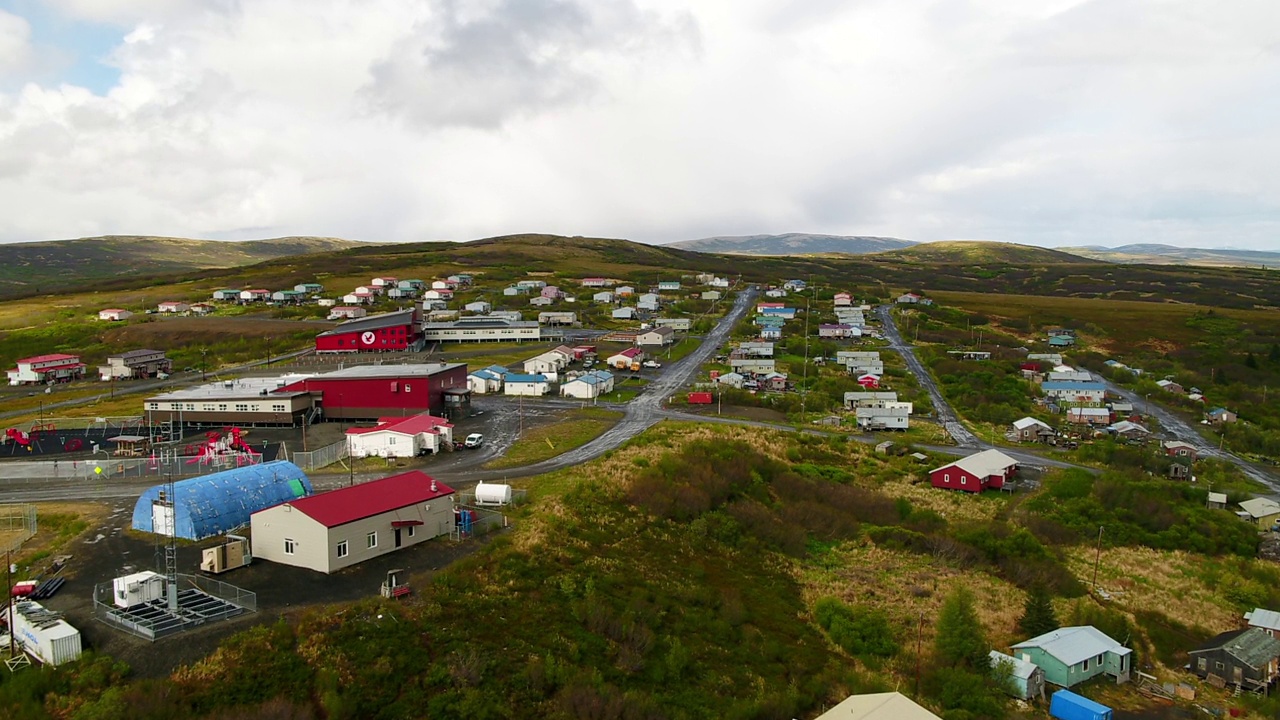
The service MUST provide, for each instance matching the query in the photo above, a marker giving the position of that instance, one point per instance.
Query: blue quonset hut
(214, 504)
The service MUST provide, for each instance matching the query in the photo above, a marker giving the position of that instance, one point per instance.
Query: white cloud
(1063, 122)
(15, 43)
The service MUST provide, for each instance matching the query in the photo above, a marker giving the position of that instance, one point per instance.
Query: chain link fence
(324, 457)
(17, 525)
(119, 468)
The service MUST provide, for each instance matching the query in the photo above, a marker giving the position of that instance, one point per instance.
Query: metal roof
(983, 464)
(372, 322)
(345, 505)
(878, 706)
(1028, 422)
(408, 425)
(1020, 668)
(1252, 646)
(1261, 617)
(1071, 645)
(1260, 507)
(522, 378)
(1073, 385)
(388, 371)
(240, 389)
(134, 354)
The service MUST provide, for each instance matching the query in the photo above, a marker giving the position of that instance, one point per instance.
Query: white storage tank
(44, 634)
(138, 588)
(493, 494)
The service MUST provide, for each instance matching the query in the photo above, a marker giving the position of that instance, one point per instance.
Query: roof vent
(433, 485)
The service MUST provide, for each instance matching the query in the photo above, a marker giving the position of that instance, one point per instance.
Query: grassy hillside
(792, 244)
(46, 266)
(722, 572)
(975, 252)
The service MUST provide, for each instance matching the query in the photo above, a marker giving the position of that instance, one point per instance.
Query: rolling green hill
(972, 252)
(791, 244)
(57, 264)
(1155, 254)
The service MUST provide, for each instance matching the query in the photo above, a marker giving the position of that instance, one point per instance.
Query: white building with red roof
(344, 527)
(46, 369)
(400, 437)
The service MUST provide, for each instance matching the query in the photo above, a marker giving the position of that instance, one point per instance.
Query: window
(222, 406)
(289, 546)
(191, 406)
(242, 407)
(964, 480)
(1218, 666)
(410, 531)
(1098, 660)
(1085, 664)
(391, 440)
(946, 478)
(1202, 664)
(342, 549)
(153, 406)
(278, 408)
(372, 540)
(406, 387)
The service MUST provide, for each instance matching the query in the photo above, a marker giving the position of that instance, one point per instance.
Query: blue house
(1071, 655)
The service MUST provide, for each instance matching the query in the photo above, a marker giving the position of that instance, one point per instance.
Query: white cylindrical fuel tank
(493, 494)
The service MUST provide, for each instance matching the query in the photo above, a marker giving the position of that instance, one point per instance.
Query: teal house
(1071, 655)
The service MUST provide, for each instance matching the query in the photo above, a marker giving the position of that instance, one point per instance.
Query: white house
(383, 282)
(173, 306)
(754, 349)
(550, 362)
(602, 297)
(479, 307)
(625, 291)
(557, 317)
(255, 295)
(347, 312)
(892, 416)
(719, 282)
(400, 437)
(732, 379)
(531, 385)
(588, 385)
(711, 295)
(114, 314)
(668, 285)
(674, 323)
(624, 313)
(485, 382)
(658, 336)
(540, 301)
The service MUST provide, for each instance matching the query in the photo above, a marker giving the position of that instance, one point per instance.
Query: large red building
(987, 469)
(370, 392)
(401, 330)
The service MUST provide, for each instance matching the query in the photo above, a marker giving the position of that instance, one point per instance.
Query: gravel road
(946, 415)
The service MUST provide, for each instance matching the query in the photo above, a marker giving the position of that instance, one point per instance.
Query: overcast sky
(1049, 122)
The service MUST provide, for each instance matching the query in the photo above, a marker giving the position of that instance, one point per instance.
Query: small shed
(1026, 679)
(1217, 501)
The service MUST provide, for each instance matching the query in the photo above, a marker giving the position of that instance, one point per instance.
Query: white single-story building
(588, 385)
(114, 314)
(484, 382)
(400, 437)
(341, 528)
(658, 336)
(526, 384)
(479, 307)
(624, 313)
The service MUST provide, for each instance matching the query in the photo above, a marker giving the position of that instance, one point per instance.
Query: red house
(399, 330)
(869, 381)
(372, 392)
(987, 469)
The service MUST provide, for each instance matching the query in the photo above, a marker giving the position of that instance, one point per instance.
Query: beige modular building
(341, 528)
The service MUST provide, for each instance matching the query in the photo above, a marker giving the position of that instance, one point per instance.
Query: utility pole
(804, 390)
(8, 578)
(919, 633)
(1097, 559)
(203, 353)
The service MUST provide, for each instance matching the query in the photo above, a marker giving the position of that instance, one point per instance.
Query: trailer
(235, 553)
(1066, 705)
(44, 635)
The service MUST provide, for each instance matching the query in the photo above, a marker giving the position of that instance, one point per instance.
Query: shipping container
(699, 398)
(44, 635)
(1067, 705)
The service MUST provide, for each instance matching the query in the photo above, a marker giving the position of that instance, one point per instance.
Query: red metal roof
(53, 356)
(339, 507)
(409, 425)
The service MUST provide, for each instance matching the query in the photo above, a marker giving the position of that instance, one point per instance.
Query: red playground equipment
(219, 447)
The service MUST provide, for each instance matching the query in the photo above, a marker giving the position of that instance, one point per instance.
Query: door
(1237, 675)
(397, 537)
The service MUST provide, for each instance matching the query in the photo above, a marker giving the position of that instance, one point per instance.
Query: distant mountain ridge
(978, 252)
(58, 264)
(792, 244)
(1159, 254)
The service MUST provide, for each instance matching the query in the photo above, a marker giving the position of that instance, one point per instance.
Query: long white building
(482, 329)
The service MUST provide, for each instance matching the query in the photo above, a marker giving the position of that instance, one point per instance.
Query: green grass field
(574, 429)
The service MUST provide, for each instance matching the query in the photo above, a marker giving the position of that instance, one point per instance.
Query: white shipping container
(138, 588)
(52, 642)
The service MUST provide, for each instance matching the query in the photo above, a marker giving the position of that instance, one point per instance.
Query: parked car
(474, 440)
(652, 364)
